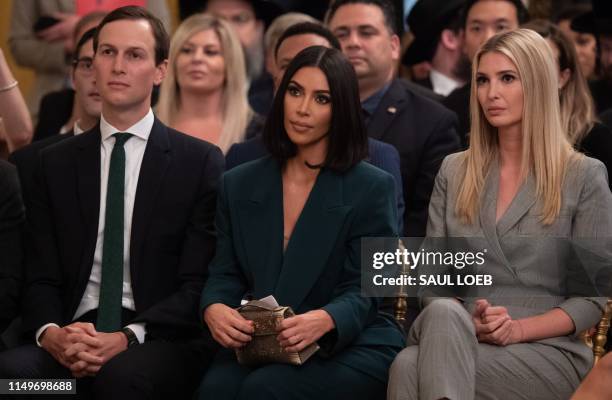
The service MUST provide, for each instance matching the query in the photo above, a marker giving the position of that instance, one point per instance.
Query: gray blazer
(527, 268)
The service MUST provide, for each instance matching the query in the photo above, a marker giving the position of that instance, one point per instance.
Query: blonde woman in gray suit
(520, 180)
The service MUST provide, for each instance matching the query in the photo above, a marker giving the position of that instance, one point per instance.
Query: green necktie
(111, 285)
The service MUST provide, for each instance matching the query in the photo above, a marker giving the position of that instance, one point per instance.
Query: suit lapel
(524, 199)
(155, 161)
(391, 105)
(312, 240)
(260, 219)
(88, 189)
(520, 205)
(488, 209)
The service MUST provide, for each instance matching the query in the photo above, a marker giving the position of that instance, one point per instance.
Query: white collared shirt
(134, 153)
(76, 129)
(441, 83)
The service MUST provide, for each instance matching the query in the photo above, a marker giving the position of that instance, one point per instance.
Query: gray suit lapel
(524, 199)
(488, 209)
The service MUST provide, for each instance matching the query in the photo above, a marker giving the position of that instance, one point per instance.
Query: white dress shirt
(76, 129)
(441, 83)
(134, 152)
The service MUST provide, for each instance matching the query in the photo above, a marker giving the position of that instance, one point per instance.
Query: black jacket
(11, 251)
(423, 132)
(172, 236)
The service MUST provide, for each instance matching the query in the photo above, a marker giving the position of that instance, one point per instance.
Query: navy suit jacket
(172, 237)
(381, 155)
(423, 132)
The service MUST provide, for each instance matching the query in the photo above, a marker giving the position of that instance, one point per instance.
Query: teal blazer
(320, 268)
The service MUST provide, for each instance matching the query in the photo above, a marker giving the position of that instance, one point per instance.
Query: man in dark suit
(57, 109)
(88, 106)
(11, 252)
(421, 130)
(436, 28)
(121, 228)
(480, 21)
(289, 44)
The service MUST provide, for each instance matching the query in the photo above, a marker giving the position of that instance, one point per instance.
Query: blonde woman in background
(205, 91)
(519, 182)
(577, 109)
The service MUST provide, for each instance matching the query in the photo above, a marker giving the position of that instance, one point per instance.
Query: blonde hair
(235, 107)
(577, 109)
(545, 147)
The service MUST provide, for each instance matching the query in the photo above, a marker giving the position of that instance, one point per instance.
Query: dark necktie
(111, 285)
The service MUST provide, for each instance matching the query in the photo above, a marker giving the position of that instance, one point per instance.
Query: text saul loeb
(458, 260)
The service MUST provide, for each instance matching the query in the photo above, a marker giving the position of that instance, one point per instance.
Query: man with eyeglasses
(87, 106)
(58, 110)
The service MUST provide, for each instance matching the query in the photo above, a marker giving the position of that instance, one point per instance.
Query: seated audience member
(577, 108)
(295, 39)
(11, 253)
(87, 105)
(120, 236)
(250, 18)
(598, 383)
(584, 42)
(15, 116)
(422, 131)
(520, 180)
(437, 40)
(599, 22)
(59, 110)
(274, 32)
(312, 192)
(481, 19)
(204, 93)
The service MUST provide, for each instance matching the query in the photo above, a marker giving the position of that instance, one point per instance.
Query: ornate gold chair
(597, 337)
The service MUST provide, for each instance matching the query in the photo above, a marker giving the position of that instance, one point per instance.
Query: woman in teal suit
(290, 225)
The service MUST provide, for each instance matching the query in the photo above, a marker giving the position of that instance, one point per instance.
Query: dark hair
(386, 6)
(548, 30)
(570, 12)
(136, 13)
(86, 20)
(87, 36)
(348, 140)
(306, 28)
(522, 15)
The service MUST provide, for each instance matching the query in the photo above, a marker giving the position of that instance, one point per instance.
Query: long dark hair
(348, 140)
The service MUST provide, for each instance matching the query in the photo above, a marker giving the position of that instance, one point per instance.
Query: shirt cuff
(41, 330)
(139, 330)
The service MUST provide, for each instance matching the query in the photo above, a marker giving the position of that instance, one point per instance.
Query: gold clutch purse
(264, 348)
